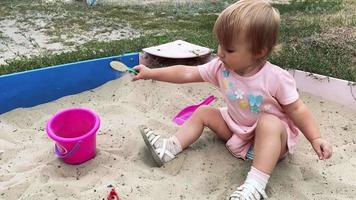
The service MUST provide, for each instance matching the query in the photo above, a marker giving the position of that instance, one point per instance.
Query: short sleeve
(209, 71)
(286, 92)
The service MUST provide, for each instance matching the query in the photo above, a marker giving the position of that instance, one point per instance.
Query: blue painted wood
(34, 87)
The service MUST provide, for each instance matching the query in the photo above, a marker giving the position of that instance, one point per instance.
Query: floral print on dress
(239, 94)
(267, 107)
(231, 96)
(255, 103)
(243, 104)
(225, 73)
(225, 83)
(231, 85)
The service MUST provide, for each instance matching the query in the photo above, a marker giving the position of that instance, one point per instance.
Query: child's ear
(262, 53)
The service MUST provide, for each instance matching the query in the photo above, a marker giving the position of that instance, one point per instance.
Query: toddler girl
(263, 109)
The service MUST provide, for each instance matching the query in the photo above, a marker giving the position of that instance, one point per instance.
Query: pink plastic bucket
(74, 131)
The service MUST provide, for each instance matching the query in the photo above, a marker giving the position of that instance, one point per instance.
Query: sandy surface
(30, 170)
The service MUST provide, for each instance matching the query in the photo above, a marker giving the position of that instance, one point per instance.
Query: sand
(29, 168)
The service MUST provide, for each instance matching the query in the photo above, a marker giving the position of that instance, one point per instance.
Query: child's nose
(220, 53)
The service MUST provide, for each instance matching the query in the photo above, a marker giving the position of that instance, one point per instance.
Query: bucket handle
(65, 155)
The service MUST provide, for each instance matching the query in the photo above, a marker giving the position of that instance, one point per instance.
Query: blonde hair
(256, 20)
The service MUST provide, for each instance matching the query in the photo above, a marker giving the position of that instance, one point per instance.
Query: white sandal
(150, 139)
(249, 191)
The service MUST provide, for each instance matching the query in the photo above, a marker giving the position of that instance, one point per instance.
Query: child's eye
(230, 50)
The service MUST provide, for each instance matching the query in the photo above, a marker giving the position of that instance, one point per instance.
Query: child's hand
(143, 72)
(322, 148)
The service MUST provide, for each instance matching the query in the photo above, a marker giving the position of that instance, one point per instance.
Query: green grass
(321, 58)
(310, 6)
(305, 32)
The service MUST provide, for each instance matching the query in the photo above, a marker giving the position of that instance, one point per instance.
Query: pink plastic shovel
(186, 112)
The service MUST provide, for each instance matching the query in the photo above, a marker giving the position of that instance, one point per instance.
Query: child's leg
(270, 144)
(164, 150)
(203, 116)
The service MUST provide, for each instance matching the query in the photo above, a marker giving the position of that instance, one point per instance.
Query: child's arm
(172, 74)
(302, 118)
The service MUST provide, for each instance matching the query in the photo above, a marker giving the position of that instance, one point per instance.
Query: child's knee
(207, 114)
(269, 121)
(204, 109)
(200, 113)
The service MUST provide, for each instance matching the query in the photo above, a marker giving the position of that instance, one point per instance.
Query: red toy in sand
(113, 195)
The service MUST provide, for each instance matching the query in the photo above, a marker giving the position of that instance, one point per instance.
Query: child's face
(238, 57)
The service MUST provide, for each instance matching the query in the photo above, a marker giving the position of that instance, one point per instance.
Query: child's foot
(253, 188)
(249, 190)
(162, 150)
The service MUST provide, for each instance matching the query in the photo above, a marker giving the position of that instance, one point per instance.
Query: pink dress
(249, 97)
